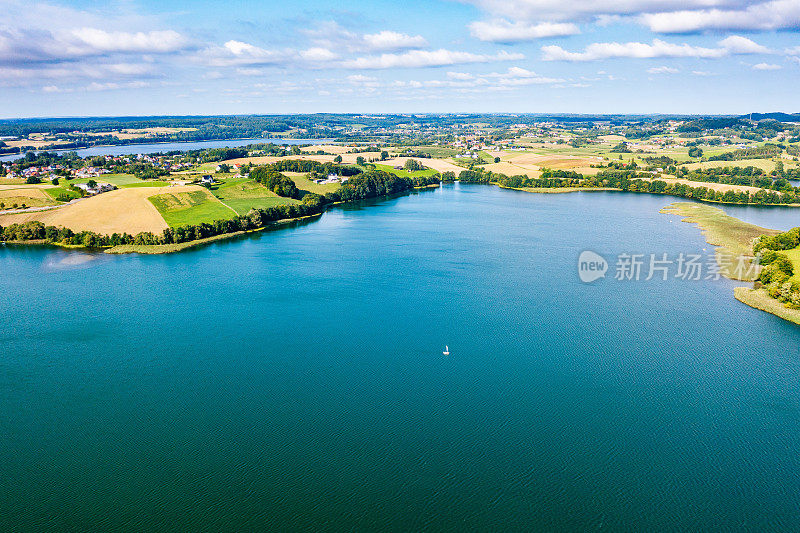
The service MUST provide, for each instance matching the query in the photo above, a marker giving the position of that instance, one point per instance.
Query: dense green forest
(777, 269)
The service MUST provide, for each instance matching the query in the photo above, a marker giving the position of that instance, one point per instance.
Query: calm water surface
(151, 148)
(295, 379)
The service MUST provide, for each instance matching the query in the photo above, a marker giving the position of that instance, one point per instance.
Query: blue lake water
(150, 148)
(294, 379)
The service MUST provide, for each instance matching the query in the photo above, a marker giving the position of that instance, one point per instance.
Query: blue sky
(583, 56)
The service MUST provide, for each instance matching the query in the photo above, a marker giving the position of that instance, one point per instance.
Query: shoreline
(761, 300)
(733, 238)
(155, 249)
(716, 226)
(48, 149)
(158, 249)
(559, 190)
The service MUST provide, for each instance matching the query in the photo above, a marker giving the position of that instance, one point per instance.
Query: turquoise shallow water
(294, 379)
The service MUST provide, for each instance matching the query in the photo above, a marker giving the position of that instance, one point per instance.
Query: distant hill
(783, 117)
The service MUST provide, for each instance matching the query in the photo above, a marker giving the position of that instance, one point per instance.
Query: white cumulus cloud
(737, 44)
(392, 40)
(504, 31)
(426, 58)
(102, 41)
(658, 48)
(554, 10)
(662, 70)
(333, 36)
(774, 15)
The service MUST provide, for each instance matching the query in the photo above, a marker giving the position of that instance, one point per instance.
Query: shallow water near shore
(294, 379)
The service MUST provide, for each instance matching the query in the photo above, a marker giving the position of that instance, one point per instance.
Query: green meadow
(121, 180)
(187, 208)
(794, 257)
(55, 192)
(441, 152)
(406, 174)
(305, 184)
(243, 194)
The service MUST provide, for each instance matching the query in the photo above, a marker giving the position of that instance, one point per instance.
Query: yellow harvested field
(266, 160)
(349, 159)
(28, 192)
(22, 185)
(28, 142)
(138, 133)
(510, 169)
(562, 162)
(119, 211)
(768, 165)
(330, 148)
(721, 187)
(439, 165)
(31, 197)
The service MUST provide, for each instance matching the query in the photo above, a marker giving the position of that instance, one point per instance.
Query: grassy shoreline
(760, 299)
(155, 249)
(733, 237)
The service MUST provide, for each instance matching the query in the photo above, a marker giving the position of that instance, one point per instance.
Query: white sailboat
(446, 350)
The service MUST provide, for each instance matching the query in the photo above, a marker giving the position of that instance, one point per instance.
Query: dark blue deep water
(294, 379)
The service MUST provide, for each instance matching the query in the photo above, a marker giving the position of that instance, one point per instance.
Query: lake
(294, 379)
(150, 148)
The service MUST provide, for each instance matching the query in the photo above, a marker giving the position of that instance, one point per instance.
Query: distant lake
(294, 379)
(150, 148)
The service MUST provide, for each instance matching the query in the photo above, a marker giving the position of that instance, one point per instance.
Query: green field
(439, 152)
(185, 208)
(54, 192)
(794, 257)
(406, 174)
(147, 183)
(242, 195)
(121, 180)
(305, 184)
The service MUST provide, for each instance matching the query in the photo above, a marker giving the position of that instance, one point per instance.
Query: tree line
(777, 271)
(630, 180)
(370, 184)
(748, 176)
(756, 152)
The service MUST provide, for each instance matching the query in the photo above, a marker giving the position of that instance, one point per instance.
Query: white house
(97, 189)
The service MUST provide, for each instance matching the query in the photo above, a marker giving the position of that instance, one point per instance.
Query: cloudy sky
(138, 57)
